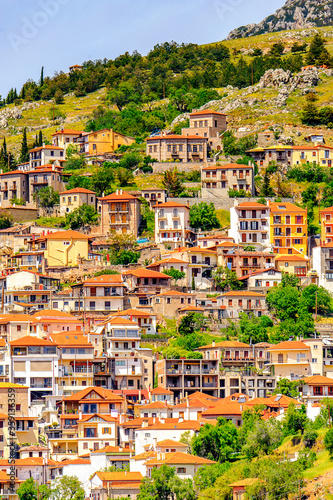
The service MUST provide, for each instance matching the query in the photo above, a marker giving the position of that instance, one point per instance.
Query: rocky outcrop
(15, 113)
(295, 14)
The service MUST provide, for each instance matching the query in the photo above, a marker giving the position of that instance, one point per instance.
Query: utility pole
(316, 305)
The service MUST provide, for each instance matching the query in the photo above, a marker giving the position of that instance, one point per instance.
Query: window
(181, 470)
(314, 360)
(106, 430)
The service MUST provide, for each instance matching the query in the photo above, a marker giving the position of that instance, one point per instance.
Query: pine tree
(24, 155)
(42, 77)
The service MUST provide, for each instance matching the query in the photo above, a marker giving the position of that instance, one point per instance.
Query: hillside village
(166, 324)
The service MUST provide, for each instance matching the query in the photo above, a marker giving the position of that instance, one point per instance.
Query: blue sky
(58, 33)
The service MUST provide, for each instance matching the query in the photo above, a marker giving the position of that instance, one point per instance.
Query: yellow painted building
(288, 228)
(106, 141)
(292, 264)
(65, 136)
(64, 248)
(320, 154)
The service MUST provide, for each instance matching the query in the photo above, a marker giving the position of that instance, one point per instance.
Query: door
(280, 358)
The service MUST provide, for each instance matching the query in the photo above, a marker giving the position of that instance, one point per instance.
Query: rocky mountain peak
(295, 14)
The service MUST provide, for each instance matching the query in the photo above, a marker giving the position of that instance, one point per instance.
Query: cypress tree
(40, 139)
(4, 155)
(42, 77)
(24, 155)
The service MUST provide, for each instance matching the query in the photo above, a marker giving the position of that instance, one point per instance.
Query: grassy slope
(258, 116)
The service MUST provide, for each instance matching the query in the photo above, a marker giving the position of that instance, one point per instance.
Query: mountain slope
(295, 14)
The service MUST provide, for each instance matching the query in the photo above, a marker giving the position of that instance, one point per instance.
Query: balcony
(210, 384)
(40, 385)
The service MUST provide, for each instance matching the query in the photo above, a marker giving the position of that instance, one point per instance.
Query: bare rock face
(295, 14)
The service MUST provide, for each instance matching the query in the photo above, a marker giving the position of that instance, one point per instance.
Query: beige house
(154, 196)
(293, 359)
(169, 303)
(45, 176)
(64, 137)
(209, 124)
(13, 184)
(120, 213)
(46, 154)
(183, 148)
(216, 180)
(172, 224)
(74, 198)
(231, 304)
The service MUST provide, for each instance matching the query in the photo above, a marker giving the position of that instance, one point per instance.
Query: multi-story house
(63, 248)
(27, 291)
(64, 137)
(74, 198)
(262, 280)
(327, 357)
(120, 213)
(288, 227)
(169, 303)
(249, 224)
(315, 388)
(75, 361)
(43, 155)
(4, 361)
(131, 365)
(231, 353)
(323, 264)
(201, 263)
(48, 321)
(216, 180)
(35, 364)
(231, 304)
(13, 184)
(186, 376)
(154, 196)
(326, 223)
(244, 262)
(145, 320)
(183, 148)
(25, 431)
(207, 123)
(45, 176)
(292, 360)
(145, 280)
(172, 224)
(101, 294)
(168, 263)
(29, 261)
(102, 142)
(88, 422)
(280, 154)
(212, 240)
(293, 263)
(285, 156)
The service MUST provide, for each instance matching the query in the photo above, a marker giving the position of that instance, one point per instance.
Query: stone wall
(159, 166)
(23, 214)
(221, 203)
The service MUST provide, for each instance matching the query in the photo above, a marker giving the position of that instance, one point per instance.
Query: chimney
(213, 343)
(117, 192)
(80, 415)
(121, 191)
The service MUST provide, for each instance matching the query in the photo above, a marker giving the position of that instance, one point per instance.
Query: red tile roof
(65, 235)
(78, 190)
(291, 257)
(251, 205)
(104, 394)
(67, 131)
(226, 344)
(118, 197)
(31, 341)
(45, 147)
(145, 273)
(179, 458)
(228, 166)
(176, 136)
(289, 207)
(290, 345)
(105, 279)
(171, 204)
(240, 293)
(161, 390)
(318, 380)
(206, 112)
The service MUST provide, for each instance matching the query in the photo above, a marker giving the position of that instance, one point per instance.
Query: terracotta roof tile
(78, 190)
(289, 345)
(31, 341)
